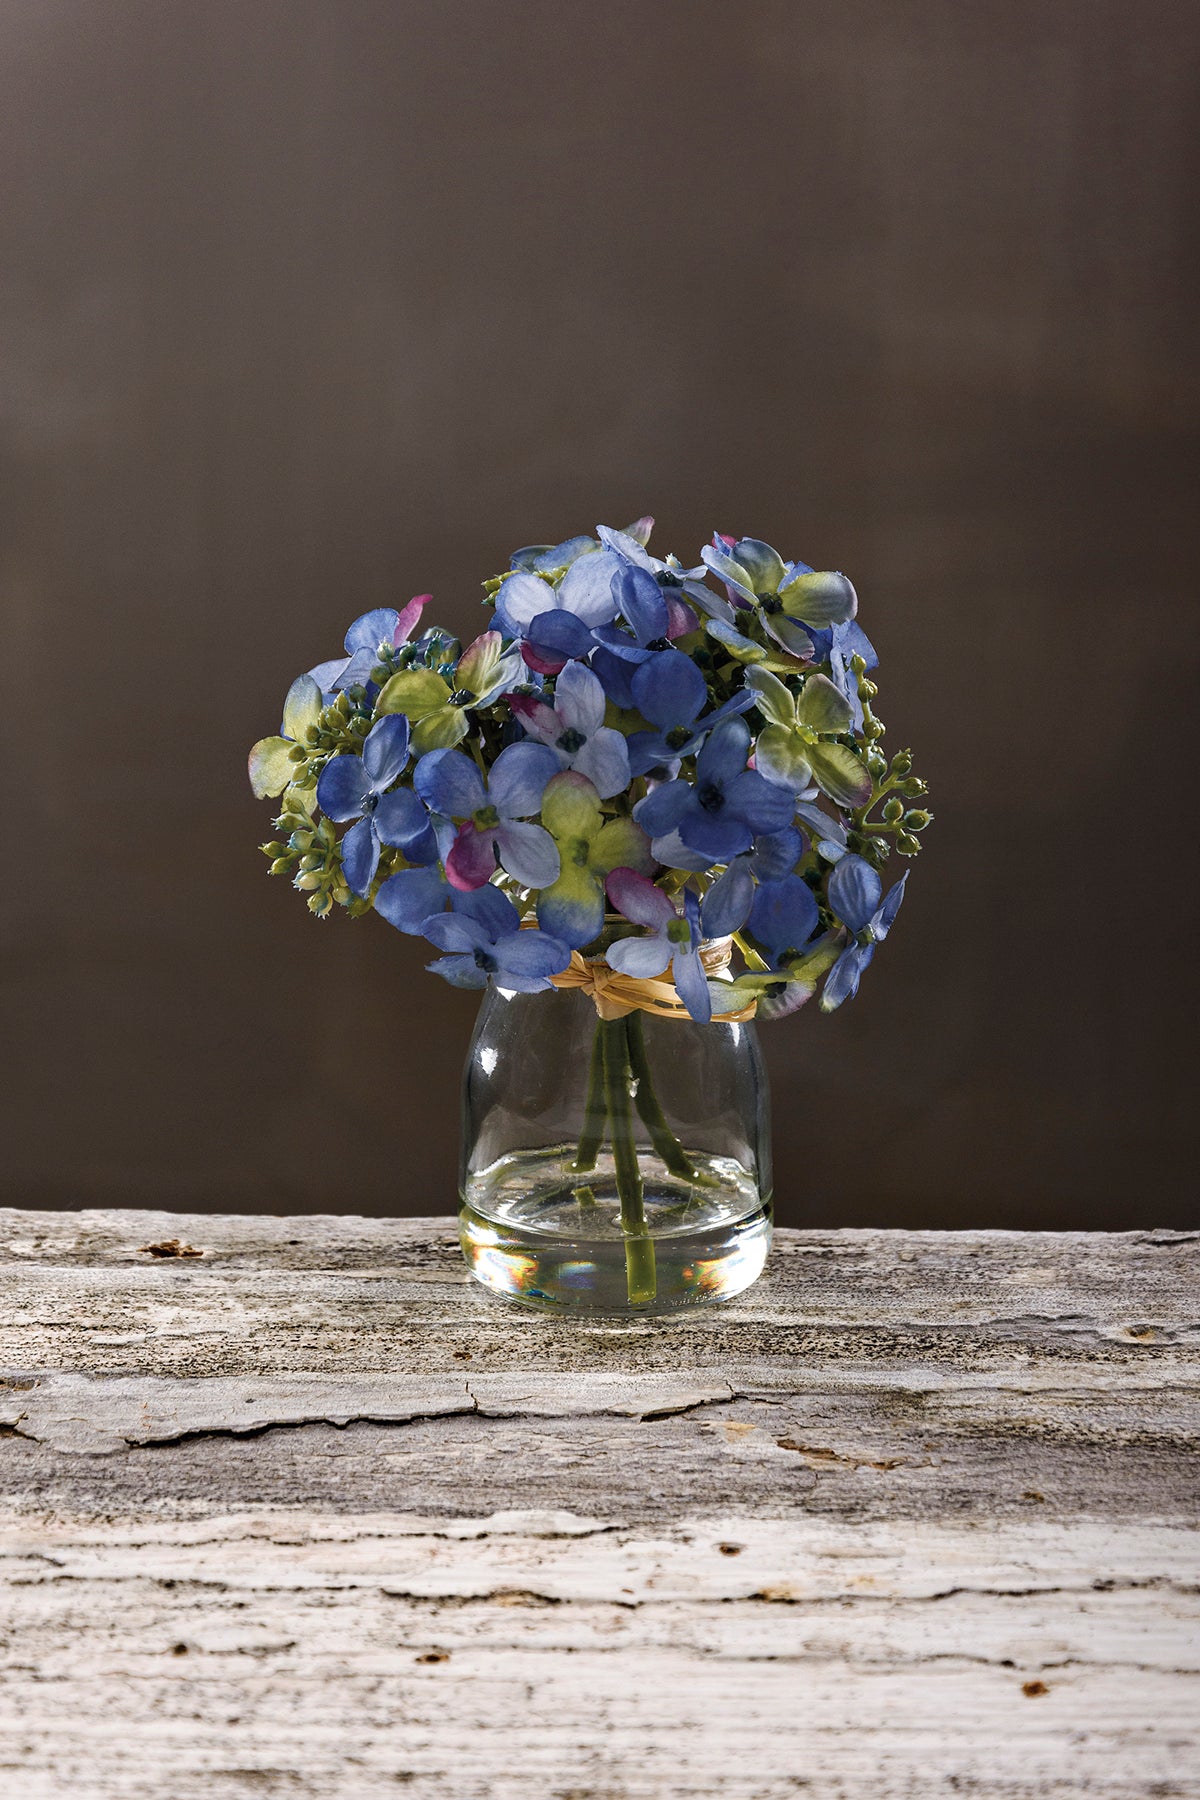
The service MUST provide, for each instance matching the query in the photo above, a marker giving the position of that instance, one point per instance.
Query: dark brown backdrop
(308, 306)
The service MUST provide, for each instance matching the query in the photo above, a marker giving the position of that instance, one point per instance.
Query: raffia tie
(615, 995)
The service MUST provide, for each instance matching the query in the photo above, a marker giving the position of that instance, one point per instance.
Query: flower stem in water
(595, 1111)
(668, 1146)
(640, 1271)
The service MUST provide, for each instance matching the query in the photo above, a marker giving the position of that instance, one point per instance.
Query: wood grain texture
(309, 1514)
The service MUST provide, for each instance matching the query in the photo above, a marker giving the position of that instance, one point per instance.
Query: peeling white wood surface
(307, 1514)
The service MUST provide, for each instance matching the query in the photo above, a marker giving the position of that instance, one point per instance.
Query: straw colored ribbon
(614, 995)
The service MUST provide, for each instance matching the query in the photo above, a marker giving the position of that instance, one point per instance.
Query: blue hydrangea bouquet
(637, 770)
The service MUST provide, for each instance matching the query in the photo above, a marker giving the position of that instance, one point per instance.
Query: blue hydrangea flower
(651, 619)
(383, 625)
(727, 904)
(672, 578)
(728, 806)
(783, 919)
(484, 942)
(855, 896)
(669, 690)
(672, 941)
(574, 729)
(356, 787)
(493, 813)
(555, 624)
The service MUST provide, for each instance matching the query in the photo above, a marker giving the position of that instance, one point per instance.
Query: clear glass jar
(618, 1166)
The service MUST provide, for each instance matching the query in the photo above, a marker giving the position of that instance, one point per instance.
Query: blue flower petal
(490, 908)
(726, 906)
(648, 750)
(854, 891)
(528, 853)
(669, 689)
(716, 835)
(560, 634)
(763, 804)
(885, 918)
(521, 599)
(784, 915)
(518, 779)
(776, 854)
(604, 759)
(725, 753)
(664, 807)
(845, 975)
(371, 629)
(615, 675)
(531, 953)
(448, 782)
(385, 750)
(406, 900)
(642, 957)
(360, 856)
(642, 604)
(673, 853)
(401, 820)
(691, 984)
(587, 587)
(342, 787)
(455, 931)
(460, 971)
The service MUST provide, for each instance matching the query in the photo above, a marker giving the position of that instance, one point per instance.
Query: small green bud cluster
(893, 783)
(341, 726)
(309, 855)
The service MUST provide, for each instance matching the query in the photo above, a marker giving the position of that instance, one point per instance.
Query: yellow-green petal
(414, 692)
(782, 756)
(438, 730)
(622, 844)
(571, 807)
(838, 772)
(270, 766)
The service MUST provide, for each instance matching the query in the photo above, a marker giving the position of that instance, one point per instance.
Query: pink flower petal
(471, 861)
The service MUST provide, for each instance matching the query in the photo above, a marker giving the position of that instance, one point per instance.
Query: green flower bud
(858, 664)
(907, 844)
(876, 763)
(867, 690)
(272, 850)
(302, 840)
(873, 728)
(297, 753)
(914, 786)
(902, 762)
(312, 861)
(342, 705)
(893, 810)
(917, 821)
(281, 866)
(320, 904)
(307, 882)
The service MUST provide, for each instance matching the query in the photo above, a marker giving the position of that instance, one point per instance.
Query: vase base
(536, 1230)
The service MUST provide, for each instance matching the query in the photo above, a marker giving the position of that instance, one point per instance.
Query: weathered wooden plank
(308, 1514)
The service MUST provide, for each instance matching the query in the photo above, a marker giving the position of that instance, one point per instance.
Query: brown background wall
(307, 307)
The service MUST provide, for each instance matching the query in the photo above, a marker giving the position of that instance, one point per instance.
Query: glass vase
(612, 1166)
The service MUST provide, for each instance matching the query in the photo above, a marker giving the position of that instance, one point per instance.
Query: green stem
(595, 1109)
(668, 1146)
(640, 1272)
